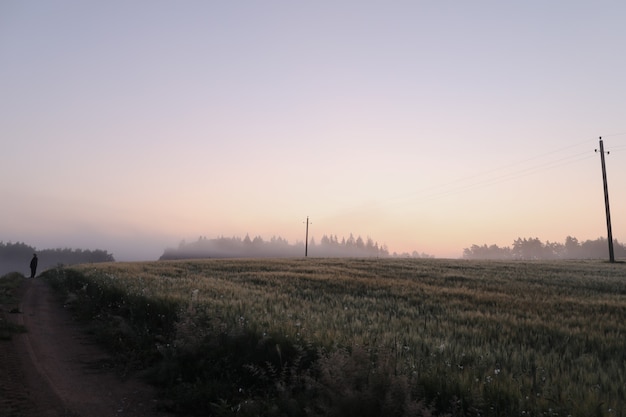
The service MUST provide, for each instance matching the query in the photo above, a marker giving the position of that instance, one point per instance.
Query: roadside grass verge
(9, 285)
(369, 337)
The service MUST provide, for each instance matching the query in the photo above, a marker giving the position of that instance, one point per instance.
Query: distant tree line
(533, 248)
(277, 247)
(15, 257)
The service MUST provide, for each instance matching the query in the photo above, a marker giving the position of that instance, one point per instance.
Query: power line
(484, 179)
(508, 176)
(465, 184)
(615, 134)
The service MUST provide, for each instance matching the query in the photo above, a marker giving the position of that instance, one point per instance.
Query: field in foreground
(369, 337)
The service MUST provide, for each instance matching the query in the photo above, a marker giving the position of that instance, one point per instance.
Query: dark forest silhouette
(15, 257)
(533, 248)
(277, 247)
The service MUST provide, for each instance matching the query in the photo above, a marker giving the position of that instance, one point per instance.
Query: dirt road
(55, 369)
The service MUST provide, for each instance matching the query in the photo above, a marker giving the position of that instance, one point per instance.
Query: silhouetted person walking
(33, 266)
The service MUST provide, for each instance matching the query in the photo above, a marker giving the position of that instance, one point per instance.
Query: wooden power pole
(306, 240)
(606, 203)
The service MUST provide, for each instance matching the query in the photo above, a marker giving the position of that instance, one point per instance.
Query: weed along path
(55, 369)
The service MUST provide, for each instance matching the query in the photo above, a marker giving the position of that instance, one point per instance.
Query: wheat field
(453, 337)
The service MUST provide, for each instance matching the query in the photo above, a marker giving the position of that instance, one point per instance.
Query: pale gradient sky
(426, 125)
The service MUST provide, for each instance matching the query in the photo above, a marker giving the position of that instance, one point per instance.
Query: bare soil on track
(55, 369)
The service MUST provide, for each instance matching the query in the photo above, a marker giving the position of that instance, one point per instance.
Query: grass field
(369, 337)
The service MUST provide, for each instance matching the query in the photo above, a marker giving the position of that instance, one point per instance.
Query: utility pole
(306, 240)
(606, 203)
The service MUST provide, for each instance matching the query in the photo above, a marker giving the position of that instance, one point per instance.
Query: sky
(428, 126)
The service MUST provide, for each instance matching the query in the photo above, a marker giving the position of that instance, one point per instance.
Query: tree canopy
(533, 248)
(235, 247)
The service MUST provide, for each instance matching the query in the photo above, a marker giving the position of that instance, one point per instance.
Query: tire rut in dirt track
(55, 367)
(17, 398)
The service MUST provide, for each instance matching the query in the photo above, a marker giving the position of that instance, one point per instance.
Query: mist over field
(16, 256)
